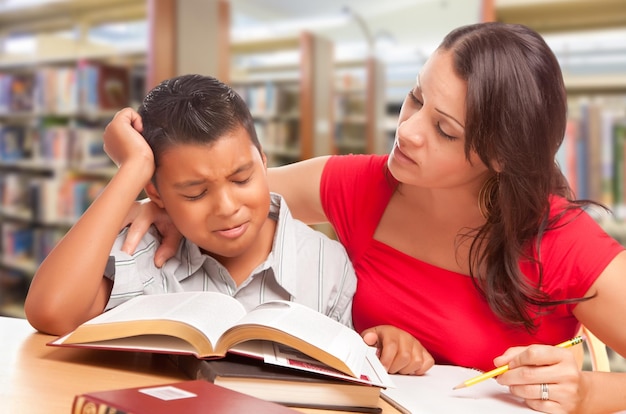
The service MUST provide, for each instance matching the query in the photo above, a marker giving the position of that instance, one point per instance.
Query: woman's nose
(412, 129)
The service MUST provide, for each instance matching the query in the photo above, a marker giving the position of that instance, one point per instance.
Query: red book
(187, 397)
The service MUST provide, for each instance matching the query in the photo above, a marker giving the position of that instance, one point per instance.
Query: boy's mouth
(233, 232)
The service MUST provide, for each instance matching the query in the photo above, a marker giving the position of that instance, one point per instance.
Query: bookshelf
(56, 96)
(290, 100)
(359, 105)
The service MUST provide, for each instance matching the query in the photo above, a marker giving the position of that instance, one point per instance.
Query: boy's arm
(398, 351)
(69, 287)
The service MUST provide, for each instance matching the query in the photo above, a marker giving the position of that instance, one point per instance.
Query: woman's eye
(414, 99)
(443, 134)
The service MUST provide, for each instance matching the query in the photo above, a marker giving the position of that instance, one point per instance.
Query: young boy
(201, 161)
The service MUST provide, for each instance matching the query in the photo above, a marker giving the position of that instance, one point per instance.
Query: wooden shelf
(594, 84)
(65, 14)
(71, 56)
(562, 15)
(275, 44)
(25, 266)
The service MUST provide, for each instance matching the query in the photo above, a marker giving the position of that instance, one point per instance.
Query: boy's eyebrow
(189, 183)
(192, 183)
(244, 167)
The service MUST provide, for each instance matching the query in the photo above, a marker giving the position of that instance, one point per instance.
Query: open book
(210, 324)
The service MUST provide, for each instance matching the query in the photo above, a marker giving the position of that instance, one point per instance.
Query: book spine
(83, 404)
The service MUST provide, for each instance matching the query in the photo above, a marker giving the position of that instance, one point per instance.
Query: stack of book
(282, 385)
(280, 351)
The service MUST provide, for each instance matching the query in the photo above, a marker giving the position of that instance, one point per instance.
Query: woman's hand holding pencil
(500, 370)
(547, 378)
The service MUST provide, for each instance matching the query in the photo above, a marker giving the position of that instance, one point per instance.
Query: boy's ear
(264, 158)
(153, 194)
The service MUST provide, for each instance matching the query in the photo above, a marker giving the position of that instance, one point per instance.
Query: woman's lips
(401, 156)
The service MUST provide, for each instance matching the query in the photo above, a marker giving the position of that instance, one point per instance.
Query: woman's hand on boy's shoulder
(398, 351)
(141, 216)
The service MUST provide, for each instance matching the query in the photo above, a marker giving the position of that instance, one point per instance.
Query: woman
(466, 236)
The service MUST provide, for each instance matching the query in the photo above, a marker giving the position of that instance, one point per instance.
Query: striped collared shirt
(304, 266)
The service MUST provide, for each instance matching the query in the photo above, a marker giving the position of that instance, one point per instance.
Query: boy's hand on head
(398, 351)
(141, 216)
(123, 141)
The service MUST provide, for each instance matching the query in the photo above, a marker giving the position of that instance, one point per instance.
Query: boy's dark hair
(192, 109)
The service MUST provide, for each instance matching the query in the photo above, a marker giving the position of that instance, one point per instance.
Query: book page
(210, 312)
(309, 326)
(373, 372)
(432, 393)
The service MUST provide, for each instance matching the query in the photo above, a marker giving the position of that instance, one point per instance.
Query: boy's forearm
(66, 289)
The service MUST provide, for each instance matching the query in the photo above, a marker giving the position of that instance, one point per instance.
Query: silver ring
(544, 392)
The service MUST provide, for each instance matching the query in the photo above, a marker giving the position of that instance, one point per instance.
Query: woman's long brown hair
(516, 114)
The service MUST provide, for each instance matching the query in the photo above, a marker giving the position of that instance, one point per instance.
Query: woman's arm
(571, 390)
(299, 184)
(69, 287)
(605, 314)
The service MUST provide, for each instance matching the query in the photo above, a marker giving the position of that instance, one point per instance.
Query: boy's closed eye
(239, 181)
(195, 197)
(242, 181)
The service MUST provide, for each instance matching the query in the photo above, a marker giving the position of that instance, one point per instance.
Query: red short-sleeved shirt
(439, 307)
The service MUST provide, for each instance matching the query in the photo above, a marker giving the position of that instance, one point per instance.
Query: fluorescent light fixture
(597, 40)
(26, 44)
(255, 31)
(9, 5)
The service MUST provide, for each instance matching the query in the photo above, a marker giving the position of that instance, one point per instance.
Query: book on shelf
(211, 324)
(57, 90)
(103, 86)
(433, 393)
(281, 384)
(5, 92)
(619, 167)
(189, 397)
(87, 149)
(16, 240)
(21, 93)
(66, 93)
(13, 142)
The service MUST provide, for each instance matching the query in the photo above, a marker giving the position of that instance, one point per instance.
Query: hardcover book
(189, 397)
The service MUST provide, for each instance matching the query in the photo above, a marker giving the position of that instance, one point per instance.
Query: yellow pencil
(504, 368)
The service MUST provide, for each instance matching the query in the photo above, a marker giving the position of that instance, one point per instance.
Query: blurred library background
(320, 77)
